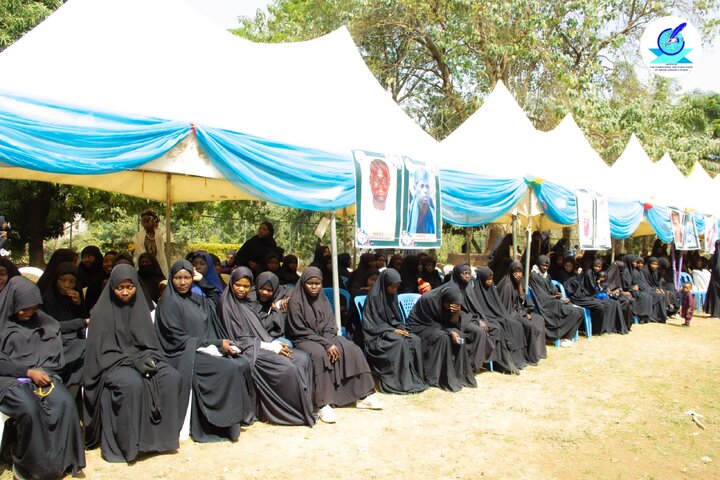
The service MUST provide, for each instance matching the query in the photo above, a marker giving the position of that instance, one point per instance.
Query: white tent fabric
(570, 160)
(672, 188)
(498, 140)
(630, 174)
(699, 191)
(160, 58)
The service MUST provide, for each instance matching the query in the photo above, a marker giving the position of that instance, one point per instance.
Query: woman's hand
(286, 351)
(484, 326)
(402, 332)
(197, 276)
(334, 353)
(282, 304)
(39, 378)
(229, 347)
(455, 336)
(74, 296)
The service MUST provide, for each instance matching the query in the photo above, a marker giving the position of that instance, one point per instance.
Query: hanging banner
(397, 202)
(685, 234)
(593, 220)
(711, 234)
(422, 215)
(378, 199)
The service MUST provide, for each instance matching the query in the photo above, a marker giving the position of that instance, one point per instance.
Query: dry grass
(609, 408)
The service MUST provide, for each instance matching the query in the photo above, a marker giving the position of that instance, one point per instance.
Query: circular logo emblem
(670, 47)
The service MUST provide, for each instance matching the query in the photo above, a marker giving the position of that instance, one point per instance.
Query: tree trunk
(495, 231)
(35, 224)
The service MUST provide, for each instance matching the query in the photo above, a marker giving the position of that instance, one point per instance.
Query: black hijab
(382, 313)
(343, 264)
(615, 274)
(653, 276)
(34, 343)
(469, 301)
(409, 274)
(428, 310)
(240, 320)
(86, 274)
(488, 297)
(150, 276)
(285, 275)
(310, 318)
(61, 307)
(47, 279)
(187, 320)
(271, 319)
(512, 292)
(11, 268)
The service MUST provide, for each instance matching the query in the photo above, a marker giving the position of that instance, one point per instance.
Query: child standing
(688, 303)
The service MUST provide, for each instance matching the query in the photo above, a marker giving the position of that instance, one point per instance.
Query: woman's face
(241, 287)
(597, 268)
(108, 263)
(313, 286)
(517, 275)
(569, 266)
(392, 289)
(397, 264)
(273, 265)
(182, 281)
(380, 262)
(125, 291)
(428, 268)
(559, 260)
(292, 266)
(88, 259)
(653, 265)
(265, 292)
(144, 262)
(27, 313)
(200, 265)
(4, 277)
(489, 281)
(466, 275)
(65, 283)
(263, 231)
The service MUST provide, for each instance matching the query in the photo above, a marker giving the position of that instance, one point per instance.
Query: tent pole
(336, 278)
(529, 239)
(168, 213)
(468, 237)
(514, 237)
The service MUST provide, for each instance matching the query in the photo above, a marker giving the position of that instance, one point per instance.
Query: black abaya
(43, 438)
(562, 320)
(311, 327)
(394, 357)
(446, 364)
(606, 314)
(284, 385)
(126, 412)
(712, 296)
(222, 387)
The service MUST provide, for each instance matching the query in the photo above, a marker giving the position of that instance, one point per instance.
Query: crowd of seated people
(218, 346)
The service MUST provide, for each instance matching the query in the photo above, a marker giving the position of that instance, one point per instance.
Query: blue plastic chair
(360, 304)
(586, 312)
(407, 302)
(699, 294)
(328, 291)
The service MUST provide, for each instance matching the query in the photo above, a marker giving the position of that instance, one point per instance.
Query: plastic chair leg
(490, 366)
(635, 320)
(557, 343)
(588, 323)
(577, 336)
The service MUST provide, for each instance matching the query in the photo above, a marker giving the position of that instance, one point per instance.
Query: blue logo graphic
(671, 47)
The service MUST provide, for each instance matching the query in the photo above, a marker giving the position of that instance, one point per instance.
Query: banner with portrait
(378, 199)
(397, 202)
(685, 234)
(711, 233)
(422, 216)
(593, 220)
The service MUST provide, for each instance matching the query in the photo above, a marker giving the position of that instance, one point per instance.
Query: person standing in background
(151, 240)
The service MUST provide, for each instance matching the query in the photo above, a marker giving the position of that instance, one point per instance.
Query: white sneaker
(371, 402)
(327, 414)
(566, 343)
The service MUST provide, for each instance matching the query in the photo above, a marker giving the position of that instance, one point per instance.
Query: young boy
(688, 303)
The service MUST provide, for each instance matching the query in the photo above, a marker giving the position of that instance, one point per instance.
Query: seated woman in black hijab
(8, 270)
(48, 278)
(342, 375)
(606, 314)
(90, 267)
(655, 273)
(198, 346)
(44, 438)
(252, 252)
(562, 319)
(269, 301)
(288, 271)
(151, 276)
(131, 392)
(64, 303)
(511, 291)
(485, 341)
(410, 274)
(98, 283)
(394, 353)
(649, 305)
(430, 274)
(435, 318)
(283, 377)
(358, 279)
(526, 339)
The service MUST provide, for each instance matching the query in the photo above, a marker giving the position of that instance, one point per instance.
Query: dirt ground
(612, 407)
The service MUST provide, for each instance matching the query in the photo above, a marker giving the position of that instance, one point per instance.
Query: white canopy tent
(700, 192)
(672, 189)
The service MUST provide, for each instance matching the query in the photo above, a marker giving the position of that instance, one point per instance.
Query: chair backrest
(560, 287)
(685, 277)
(406, 302)
(328, 291)
(360, 304)
(532, 299)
